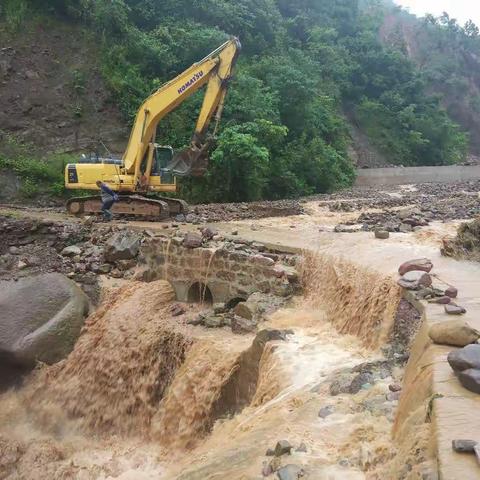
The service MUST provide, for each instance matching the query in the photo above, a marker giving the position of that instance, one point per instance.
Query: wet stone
(326, 411)
(393, 396)
(470, 379)
(415, 279)
(341, 384)
(419, 264)
(445, 300)
(451, 292)
(464, 446)
(283, 447)
(301, 448)
(192, 240)
(359, 381)
(382, 234)
(290, 472)
(394, 387)
(242, 325)
(270, 452)
(453, 309)
(466, 358)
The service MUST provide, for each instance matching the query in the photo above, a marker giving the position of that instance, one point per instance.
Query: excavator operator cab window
(162, 157)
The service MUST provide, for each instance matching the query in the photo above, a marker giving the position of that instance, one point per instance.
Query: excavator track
(129, 205)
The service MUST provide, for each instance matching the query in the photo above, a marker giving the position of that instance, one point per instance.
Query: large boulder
(124, 245)
(453, 332)
(419, 264)
(40, 318)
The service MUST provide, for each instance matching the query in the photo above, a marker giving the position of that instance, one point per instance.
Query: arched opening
(199, 293)
(233, 302)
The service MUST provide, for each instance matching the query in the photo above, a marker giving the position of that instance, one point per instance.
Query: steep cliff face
(51, 91)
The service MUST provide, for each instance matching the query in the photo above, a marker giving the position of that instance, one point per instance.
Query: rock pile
(290, 471)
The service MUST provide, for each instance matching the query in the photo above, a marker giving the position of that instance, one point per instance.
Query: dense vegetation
(304, 63)
(447, 55)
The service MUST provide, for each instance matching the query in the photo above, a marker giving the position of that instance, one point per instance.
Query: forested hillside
(309, 69)
(447, 55)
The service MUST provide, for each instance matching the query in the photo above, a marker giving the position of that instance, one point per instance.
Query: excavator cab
(162, 157)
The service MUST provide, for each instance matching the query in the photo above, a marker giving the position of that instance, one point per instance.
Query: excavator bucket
(192, 161)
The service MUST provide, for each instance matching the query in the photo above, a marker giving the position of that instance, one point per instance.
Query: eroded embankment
(141, 386)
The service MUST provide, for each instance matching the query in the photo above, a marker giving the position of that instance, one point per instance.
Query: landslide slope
(51, 91)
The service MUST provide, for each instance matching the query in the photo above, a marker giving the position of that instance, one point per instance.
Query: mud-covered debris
(453, 332)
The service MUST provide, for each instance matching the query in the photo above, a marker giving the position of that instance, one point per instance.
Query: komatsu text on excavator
(147, 167)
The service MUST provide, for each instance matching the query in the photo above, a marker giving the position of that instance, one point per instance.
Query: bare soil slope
(51, 91)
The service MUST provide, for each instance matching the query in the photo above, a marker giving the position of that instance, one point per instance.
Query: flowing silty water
(148, 396)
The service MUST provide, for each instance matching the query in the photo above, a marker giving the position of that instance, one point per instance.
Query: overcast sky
(462, 10)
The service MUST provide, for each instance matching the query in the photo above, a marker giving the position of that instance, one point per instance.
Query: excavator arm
(215, 71)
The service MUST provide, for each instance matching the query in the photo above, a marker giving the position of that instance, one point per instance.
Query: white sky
(462, 10)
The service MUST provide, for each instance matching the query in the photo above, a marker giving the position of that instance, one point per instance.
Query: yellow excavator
(147, 167)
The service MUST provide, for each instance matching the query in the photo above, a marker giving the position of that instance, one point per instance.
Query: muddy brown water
(144, 395)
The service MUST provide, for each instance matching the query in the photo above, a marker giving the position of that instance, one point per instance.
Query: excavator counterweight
(148, 168)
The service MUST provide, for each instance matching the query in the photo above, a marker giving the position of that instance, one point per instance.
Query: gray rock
(123, 245)
(454, 309)
(405, 228)
(243, 325)
(301, 448)
(263, 261)
(451, 292)
(465, 358)
(393, 396)
(382, 234)
(213, 321)
(270, 452)
(192, 240)
(208, 233)
(464, 446)
(191, 218)
(470, 379)
(326, 411)
(394, 387)
(341, 384)
(14, 250)
(445, 300)
(415, 279)
(219, 308)
(359, 381)
(245, 310)
(283, 447)
(453, 332)
(290, 472)
(180, 218)
(41, 318)
(71, 251)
